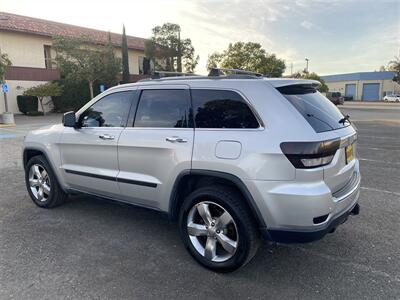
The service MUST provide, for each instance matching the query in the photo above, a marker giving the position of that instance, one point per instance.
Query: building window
(47, 57)
(144, 65)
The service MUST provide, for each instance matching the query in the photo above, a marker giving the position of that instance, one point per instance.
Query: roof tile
(12, 22)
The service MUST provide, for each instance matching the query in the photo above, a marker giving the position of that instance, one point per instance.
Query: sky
(337, 36)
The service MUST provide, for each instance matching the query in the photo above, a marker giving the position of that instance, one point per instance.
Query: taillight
(307, 155)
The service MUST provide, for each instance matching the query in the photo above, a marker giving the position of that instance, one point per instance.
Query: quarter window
(110, 111)
(162, 108)
(221, 109)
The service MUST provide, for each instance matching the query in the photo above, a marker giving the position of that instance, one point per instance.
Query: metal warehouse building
(363, 86)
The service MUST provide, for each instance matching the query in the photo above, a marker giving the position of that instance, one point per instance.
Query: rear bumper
(302, 212)
(285, 236)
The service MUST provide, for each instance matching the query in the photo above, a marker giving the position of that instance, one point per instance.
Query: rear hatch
(332, 128)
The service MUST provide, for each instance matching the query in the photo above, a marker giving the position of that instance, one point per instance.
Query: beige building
(27, 41)
(363, 86)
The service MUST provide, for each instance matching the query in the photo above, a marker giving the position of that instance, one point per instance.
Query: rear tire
(217, 228)
(42, 184)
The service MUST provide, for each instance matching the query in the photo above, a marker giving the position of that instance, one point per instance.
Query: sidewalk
(26, 123)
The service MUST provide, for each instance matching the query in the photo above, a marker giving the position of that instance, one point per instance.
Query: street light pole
(307, 64)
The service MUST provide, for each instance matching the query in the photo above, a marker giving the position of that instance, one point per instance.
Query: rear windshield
(319, 112)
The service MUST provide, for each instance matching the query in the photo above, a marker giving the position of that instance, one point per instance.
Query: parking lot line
(7, 136)
(378, 190)
(380, 161)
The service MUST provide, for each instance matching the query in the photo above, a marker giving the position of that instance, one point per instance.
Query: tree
(5, 62)
(394, 65)
(248, 56)
(125, 58)
(323, 88)
(168, 51)
(111, 65)
(44, 90)
(79, 60)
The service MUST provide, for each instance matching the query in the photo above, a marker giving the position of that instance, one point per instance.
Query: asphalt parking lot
(91, 248)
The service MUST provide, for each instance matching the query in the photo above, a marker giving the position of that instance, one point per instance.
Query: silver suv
(232, 158)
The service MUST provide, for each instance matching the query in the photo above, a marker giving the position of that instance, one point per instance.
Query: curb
(7, 125)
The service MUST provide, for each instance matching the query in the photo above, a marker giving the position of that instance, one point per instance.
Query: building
(363, 86)
(27, 41)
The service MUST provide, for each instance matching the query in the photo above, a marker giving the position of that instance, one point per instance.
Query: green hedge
(27, 104)
(74, 96)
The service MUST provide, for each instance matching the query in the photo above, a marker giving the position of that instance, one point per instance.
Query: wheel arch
(188, 180)
(30, 152)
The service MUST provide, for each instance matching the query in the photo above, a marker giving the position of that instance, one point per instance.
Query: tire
(237, 225)
(42, 184)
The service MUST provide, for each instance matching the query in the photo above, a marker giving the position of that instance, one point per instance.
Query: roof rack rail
(222, 72)
(161, 74)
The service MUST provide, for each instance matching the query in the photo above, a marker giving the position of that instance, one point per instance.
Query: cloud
(307, 25)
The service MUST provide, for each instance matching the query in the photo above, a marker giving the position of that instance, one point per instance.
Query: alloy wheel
(39, 182)
(212, 231)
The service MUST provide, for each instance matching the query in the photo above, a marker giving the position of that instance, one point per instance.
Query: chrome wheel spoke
(210, 250)
(40, 194)
(44, 174)
(33, 182)
(46, 189)
(228, 244)
(204, 212)
(223, 220)
(37, 172)
(196, 229)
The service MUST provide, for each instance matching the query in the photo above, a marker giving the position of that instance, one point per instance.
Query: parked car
(335, 97)
(392, 98)
(231, 158)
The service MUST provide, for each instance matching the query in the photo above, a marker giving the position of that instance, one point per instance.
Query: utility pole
(291, 69)
(307, 64)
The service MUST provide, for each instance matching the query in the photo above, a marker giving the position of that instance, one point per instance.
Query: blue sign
(4, 87)
(102, 88)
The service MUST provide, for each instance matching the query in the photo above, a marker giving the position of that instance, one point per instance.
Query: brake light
(307, 155)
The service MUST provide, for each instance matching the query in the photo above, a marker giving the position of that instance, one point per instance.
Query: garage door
(370, 92)
(350, 90)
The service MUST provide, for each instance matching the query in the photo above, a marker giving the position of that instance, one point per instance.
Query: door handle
(106, 137)
(175, 139)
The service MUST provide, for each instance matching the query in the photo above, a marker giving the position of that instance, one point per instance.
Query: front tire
(217, 228)
(42, 184)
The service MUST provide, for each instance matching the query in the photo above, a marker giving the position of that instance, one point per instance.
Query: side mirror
(69, 119)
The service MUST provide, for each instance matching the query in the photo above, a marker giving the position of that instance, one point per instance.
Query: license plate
(349, 154)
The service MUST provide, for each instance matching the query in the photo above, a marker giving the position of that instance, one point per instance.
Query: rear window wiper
(311, 115)
(344, 119)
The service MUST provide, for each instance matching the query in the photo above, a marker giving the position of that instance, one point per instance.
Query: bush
(74, 96)
(27, 104)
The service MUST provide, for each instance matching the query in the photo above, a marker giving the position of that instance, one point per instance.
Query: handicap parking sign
(4, 87)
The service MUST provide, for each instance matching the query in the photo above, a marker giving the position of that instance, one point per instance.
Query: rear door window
(221, 109)
(163, 109)
(319, 112)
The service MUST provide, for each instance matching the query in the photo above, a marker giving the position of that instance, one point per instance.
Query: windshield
(319, 112)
